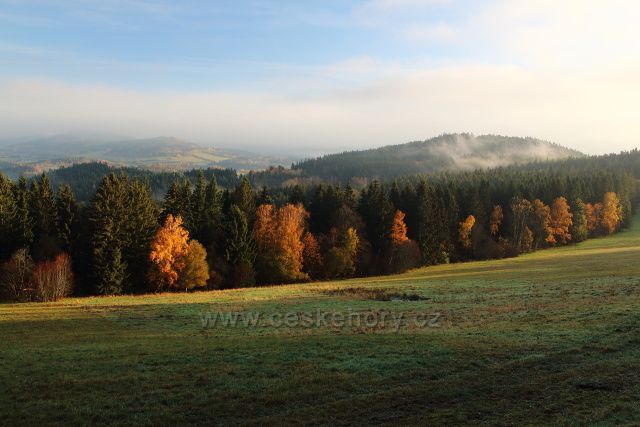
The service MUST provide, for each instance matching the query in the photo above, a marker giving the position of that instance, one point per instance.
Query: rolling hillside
(444, 153)
(546, 338)
(160, 153)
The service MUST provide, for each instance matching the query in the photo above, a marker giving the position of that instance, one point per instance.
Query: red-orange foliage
(398, 229)
(168, 250)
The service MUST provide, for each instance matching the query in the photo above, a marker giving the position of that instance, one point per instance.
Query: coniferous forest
(215, 230)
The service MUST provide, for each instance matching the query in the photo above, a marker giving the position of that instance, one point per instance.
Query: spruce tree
(377, 212)
(138, 231)
(43, 208)
(199, 208)
(244, 198)
(7, 217)
(23, 221)
(107, 217)
(67, 216)
(212, 219)
(240, 252)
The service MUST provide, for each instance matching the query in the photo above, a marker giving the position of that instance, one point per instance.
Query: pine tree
(139, 229)
(107, 217)
(199, 207)
(43, 208)
(23, 221)
(296, 195)
(112, 273)
(240, 249)
(67, 215)
(213, 217)
(174, 203)
(264, 198)
(7, 218)
(377, 212)
(244, 198)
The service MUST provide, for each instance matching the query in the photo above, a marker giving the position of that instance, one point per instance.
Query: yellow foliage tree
(195, 272)
(465, 231)
(168, 249)
(560, 222)
(278, 234)
(611, 213)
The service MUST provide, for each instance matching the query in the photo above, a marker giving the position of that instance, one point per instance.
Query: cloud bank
(565, 71)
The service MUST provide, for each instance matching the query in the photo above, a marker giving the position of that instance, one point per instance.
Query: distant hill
(159, 153)
(443, 153)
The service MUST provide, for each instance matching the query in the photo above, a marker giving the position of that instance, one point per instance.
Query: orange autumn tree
(398, 229)
(560, 222)
(592, 218)
(168, 250)
(405, 253)
(495, 220)
(611, 215)
(465, 231)
(278, 234)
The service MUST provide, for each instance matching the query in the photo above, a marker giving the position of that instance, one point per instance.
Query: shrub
(53, 279)
(16, 276)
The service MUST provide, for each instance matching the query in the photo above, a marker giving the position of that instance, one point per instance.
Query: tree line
(203, 235)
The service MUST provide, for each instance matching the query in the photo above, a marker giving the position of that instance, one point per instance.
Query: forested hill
(443, 153)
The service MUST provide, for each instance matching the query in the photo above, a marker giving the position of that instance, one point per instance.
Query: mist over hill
(443, 153)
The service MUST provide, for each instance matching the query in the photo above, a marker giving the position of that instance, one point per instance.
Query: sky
(321, 76)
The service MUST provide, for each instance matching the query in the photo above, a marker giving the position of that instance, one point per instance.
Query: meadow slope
(549, 337)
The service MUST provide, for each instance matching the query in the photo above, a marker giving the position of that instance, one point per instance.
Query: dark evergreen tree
(7, 218)
(139, 230)
(43, 208)
(23, 221)
(67, 216)
(244, 198)
(377, 213)
(240, 252)
(107, 218)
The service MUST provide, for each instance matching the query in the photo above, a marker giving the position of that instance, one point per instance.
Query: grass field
(548, 338)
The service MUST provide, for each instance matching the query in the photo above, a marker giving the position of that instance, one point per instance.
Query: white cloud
(440, 32)
(592, 111)
(568, 71)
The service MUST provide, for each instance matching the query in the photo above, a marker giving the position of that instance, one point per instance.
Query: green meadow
(551, 337)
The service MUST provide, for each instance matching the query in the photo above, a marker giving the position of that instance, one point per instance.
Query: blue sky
(322, 75)
(203, 45)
